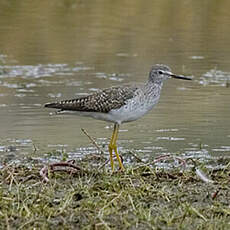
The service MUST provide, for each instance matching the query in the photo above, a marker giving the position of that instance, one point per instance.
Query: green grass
(142, 197)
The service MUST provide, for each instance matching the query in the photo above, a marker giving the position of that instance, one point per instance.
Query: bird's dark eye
(160, 72)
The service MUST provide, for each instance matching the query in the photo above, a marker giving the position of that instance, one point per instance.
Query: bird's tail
(54, 105)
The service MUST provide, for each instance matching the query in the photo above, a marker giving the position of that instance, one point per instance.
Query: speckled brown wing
(102, 101)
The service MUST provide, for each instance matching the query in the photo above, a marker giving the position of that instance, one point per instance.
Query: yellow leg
(111, 151)
(113, 146)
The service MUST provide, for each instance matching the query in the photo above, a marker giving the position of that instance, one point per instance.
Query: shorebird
(119, 104)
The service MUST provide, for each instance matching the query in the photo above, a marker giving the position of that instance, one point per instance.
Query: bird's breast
(134, 109)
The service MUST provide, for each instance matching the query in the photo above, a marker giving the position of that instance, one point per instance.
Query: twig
(55, 167)
(35, 149)
(108, 204)
(161, 157)
(136, 157)
(7, 222)
(92, 140)
(214, 195)
(169, 157)
(106, 162)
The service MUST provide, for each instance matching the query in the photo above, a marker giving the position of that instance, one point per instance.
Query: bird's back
(102, 101)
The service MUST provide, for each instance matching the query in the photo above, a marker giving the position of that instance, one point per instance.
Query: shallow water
(58, 50)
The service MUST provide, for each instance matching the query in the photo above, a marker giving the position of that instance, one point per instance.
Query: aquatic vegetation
(142, 197)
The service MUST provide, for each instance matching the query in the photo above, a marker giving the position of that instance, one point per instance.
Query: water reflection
(58, 50)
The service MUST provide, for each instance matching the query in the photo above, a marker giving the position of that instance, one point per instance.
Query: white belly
(132, 111)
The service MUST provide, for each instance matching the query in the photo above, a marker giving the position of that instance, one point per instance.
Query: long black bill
(180, 77)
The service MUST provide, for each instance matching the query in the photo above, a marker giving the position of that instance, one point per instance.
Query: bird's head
(161, 72)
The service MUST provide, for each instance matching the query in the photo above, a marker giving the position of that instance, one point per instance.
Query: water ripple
(216, 77)
(38, 71)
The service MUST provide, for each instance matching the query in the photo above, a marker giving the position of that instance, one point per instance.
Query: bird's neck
(155, 82)
(153, 87)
